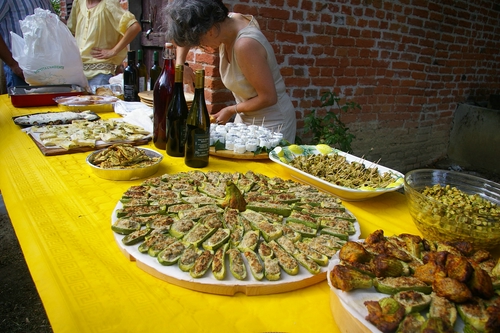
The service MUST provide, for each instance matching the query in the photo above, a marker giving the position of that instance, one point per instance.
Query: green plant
(330, 129)
(56, 4)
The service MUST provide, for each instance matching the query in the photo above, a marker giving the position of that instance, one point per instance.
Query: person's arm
(181, 55)
(180, 59)
(6, 56)
(127, 38)
(252, 59)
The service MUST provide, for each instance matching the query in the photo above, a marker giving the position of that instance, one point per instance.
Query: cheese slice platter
(83, 135)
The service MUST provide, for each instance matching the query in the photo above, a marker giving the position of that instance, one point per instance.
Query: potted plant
(330, 129)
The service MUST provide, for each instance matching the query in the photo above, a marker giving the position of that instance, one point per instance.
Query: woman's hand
(224, 115)
(128, 37)
(99, 53)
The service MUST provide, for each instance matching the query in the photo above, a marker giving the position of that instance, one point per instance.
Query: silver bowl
(126, 174)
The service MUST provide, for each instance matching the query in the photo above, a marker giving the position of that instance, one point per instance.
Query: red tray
(26, 96)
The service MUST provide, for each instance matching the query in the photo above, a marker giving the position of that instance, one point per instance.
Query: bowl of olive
(451, 206)
(124, 162)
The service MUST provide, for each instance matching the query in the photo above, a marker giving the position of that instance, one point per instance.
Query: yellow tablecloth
(61, 214)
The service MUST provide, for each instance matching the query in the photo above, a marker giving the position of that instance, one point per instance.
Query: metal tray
(28, 96)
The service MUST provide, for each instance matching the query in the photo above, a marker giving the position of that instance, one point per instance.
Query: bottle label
(128, 92)
(183, 133)
(142, 84)
(201, 145)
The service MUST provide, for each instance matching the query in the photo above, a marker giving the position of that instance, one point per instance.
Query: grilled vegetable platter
(405, 283)
(222, 233)
(54, 118)
(348, 177)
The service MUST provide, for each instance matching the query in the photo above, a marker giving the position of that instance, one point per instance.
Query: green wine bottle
(155, 70)
(131, 79)
(198, 127)
(142, 71)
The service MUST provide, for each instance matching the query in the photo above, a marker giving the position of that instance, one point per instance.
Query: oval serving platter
(54, 118)
(344, 193)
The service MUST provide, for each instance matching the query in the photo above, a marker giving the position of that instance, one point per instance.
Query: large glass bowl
(449, 222)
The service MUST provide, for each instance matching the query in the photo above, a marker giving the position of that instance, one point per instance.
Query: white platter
(344, 193)
(230, 285)
(129, 173)
(353, 303)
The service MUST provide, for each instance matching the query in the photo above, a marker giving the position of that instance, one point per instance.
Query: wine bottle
(162, 95)
(143, 71)
(131, 79)
(176, 117)
(155, 70)
(198, 127)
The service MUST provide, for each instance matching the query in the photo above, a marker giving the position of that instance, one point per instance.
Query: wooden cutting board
(61, 151)
(147, 96)
(245, 156)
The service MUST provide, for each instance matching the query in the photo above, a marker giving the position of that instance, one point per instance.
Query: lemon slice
(396, 183)
(279, 151)
(324, 149)
(296, 149)
(367, 188)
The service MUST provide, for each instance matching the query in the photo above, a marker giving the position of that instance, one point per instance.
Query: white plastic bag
(47, 53)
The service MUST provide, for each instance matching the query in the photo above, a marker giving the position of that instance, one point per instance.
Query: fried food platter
(351, 305)
(229, 284)
(451, 285)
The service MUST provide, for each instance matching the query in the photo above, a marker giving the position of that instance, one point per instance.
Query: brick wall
(63, 12)
(409, 63)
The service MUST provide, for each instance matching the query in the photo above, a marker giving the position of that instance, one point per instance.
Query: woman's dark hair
(188, 20)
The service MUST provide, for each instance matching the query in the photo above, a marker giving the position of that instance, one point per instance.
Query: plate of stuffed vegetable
(224, 233)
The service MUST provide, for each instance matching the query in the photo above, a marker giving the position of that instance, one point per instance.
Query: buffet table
(61, 213)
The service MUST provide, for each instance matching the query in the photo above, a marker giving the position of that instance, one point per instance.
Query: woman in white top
(248, 65)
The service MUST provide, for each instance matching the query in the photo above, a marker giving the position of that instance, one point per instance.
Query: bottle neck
(131, 61)
(179, 74)
(168, 63)
(169, 53)
(199, 80)
(168, 58)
